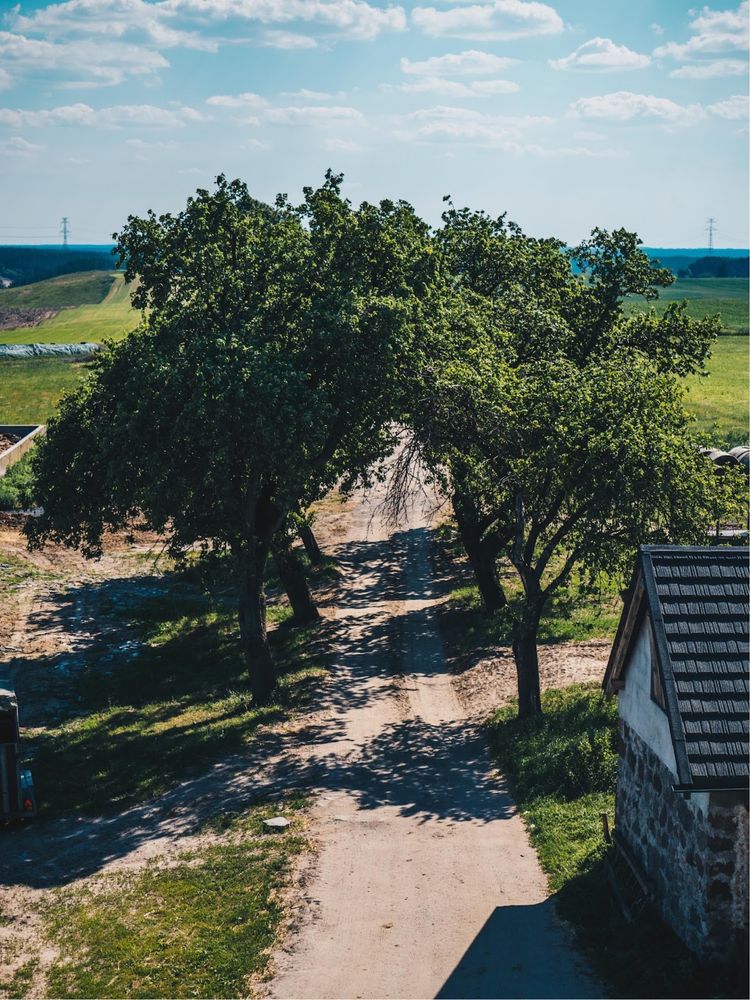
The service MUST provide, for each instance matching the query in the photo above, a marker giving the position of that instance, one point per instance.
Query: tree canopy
(556, 425)
(268, 365)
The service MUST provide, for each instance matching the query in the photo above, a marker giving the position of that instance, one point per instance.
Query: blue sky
(566, 114)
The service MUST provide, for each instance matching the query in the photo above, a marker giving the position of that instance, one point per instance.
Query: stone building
(679, 668)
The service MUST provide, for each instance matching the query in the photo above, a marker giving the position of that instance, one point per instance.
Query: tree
(268, 365)
(557, 425)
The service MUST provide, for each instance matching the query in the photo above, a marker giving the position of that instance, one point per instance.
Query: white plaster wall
(637, 707)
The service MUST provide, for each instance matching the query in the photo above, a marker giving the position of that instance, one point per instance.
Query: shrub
(17, 486)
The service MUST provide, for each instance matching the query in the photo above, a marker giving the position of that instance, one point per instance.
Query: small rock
(276, 823)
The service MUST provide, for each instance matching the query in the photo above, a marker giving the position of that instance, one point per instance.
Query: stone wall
(693, 850)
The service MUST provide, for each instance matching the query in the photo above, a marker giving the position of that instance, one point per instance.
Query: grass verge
(201, 925)
(562, 768)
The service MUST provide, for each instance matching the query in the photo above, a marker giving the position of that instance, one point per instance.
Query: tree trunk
(293, 579)
(527, 669)
(250, 570)
(311, 544)
(482, 558)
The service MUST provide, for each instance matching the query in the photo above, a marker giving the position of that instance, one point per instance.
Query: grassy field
(720, 401)
(89, 319)
(30, 388)
(84, 288)
(201, 925)
(563, 768)
(705, 297)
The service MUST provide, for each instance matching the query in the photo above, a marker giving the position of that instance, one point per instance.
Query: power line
(710, 227)
(64, 230)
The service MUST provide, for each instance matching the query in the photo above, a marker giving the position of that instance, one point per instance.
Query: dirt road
(426, 885)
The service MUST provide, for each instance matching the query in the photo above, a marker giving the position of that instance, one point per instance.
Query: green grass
(15, 570)
(82, 288)
(111, 317)
(200, 927)
(562, 768)
(31, 388)
(704, 297)
(720, 401)
(165, 695)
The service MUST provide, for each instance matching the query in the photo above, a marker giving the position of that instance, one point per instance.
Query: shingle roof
(698, 600)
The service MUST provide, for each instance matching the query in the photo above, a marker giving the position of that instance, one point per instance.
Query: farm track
(425, 883)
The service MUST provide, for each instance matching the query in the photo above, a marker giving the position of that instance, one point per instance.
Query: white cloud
(469, 63)
(84, 115)
(505, 132)
(656, 28)
(453, 88)
(246, 100)
(344, 146)
(710, 70)
(734, 107)
(112, 19)
(97, 63)
(258, 144)
(310, 95)
(288, 40)
(17, 146)
(625, 106)
(6, 80)
(602, 54)
(715, 31)
(501, 20)
(346, 18)
(311, 113)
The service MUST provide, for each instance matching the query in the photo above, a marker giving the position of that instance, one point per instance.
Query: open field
(720, 401)
(85, 288)
(704, 297)
(82, 316)
(30, 388)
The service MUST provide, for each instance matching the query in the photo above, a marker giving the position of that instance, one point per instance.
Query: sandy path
(426, 885)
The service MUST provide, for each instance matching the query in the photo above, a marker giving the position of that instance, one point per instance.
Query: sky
(566, 115)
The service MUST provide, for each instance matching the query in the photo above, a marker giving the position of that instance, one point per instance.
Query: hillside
(81, 288)
(94, 306)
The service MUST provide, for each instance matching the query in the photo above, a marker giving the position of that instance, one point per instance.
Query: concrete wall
(26, 433)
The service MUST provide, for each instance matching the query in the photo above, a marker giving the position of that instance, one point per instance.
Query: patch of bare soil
(491, 683)
(13, 319)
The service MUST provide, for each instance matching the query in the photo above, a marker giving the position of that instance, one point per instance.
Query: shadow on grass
(154, 688)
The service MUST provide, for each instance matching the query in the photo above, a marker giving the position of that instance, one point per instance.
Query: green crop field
(729, 297)
(30, 388)
(94, 306)
(720, 401)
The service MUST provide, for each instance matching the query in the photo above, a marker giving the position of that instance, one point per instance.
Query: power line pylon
(64, 231)
(710, 227)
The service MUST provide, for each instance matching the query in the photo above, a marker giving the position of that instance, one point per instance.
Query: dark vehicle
(17, 799)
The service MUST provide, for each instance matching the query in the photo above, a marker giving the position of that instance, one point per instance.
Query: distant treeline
(23, 265)
(699, 263)
(717, 267)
